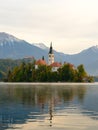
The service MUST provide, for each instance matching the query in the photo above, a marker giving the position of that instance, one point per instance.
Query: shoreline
(47, 83)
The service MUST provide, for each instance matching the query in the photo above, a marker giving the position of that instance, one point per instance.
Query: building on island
(40, 62)
(54, 65)
(50, 55)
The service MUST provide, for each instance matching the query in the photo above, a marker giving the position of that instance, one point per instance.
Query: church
(51, 62)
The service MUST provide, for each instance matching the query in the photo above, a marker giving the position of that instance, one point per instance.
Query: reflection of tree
(81, 93)
(67, 94)
(39, 97)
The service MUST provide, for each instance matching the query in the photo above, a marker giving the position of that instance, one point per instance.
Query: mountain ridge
(12, 47)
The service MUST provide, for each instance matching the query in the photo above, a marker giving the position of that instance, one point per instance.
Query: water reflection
(21, 104)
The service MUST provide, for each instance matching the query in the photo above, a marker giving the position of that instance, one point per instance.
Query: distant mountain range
(14, 48)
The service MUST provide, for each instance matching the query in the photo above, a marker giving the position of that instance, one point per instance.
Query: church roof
(56, 64)
(41, 62)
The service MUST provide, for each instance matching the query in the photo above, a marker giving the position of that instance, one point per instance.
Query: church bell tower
(50, 55)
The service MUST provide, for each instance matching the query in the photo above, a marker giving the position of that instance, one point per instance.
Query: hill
(14, 48)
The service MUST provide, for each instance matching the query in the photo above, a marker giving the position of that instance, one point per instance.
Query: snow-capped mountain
(7, 39)
(12, 47)
(41, 45)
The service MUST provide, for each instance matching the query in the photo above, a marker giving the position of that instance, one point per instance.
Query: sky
(71, 25)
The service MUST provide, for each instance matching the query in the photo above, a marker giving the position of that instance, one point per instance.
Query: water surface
(48, 107)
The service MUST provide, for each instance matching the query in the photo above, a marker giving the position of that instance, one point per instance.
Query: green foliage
(90, 79)
(7, 65)
(67, 73)
(21, 74)
(82, 75)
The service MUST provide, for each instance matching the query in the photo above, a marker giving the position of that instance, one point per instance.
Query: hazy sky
(72, 25)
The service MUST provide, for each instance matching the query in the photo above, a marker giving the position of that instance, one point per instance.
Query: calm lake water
(48, 107)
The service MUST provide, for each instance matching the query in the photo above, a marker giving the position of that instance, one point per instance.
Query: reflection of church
(51, 62)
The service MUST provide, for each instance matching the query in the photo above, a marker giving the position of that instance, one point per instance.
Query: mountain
(87, 57)
(92, 68)
(14, 48)
(61, 57)
(42, 46)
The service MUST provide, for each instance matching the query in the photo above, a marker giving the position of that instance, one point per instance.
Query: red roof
(56, 64)
(41, 62)
(71, 65)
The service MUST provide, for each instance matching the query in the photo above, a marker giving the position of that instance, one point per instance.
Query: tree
(82, 75)
(67, 73)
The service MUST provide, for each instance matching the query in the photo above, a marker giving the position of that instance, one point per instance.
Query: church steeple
(51, 49)
(50, 55)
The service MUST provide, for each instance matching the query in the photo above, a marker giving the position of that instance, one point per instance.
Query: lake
(48, 107)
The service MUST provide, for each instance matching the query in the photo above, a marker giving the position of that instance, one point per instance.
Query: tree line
(9, 64)
(26, 72)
